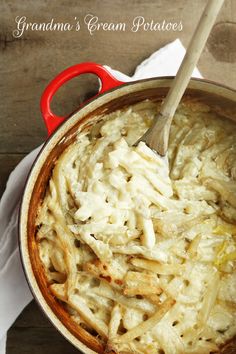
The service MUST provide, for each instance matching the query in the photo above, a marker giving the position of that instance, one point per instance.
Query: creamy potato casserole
(141, 250)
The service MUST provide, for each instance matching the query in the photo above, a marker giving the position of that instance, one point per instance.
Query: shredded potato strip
(114, 323)
(100, 249)
(192, 250)
(78, 303)
(141, 284)
(159, 268)
(209, 298)
(143, 305)
(146, 325)
(96, 153)
(135, 249)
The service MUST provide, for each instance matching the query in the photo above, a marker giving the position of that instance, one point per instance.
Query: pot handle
(52, 121)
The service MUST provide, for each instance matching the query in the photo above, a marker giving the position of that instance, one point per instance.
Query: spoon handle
(158, 135)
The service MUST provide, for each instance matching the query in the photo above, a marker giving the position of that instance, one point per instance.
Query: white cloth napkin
(14, 292)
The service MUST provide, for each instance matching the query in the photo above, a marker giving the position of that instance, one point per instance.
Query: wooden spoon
(157, 136)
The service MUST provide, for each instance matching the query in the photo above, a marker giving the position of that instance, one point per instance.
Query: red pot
(113, 95)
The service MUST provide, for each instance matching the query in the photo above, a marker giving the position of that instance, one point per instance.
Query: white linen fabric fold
(14, 291)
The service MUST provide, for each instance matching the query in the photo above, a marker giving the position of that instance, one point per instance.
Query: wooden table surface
(29, 62)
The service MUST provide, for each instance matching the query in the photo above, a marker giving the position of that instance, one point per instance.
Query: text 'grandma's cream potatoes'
(140, 251)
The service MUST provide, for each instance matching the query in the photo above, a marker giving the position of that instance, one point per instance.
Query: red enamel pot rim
(113, 94)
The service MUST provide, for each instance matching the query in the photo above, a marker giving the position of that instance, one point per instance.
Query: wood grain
(33, 333)
(29, 63)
